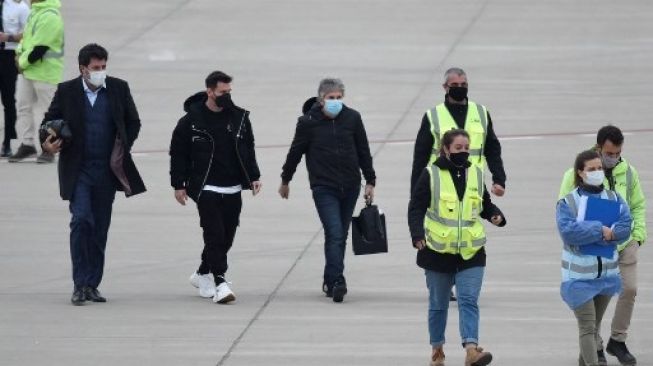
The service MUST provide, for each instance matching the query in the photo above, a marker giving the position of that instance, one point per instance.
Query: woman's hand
(496, 220)
(420, 244)
(608, 235)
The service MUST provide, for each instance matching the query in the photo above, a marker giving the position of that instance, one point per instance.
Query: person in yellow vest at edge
(39, 57)
(457, 111)
(444, 217)
(622, 178)
(589, 278)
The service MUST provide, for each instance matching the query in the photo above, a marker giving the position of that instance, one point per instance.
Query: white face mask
(97, 78)
(594, 178)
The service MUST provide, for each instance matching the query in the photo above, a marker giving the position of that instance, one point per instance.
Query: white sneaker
(206, 285)
(195, 280)
(223, 294)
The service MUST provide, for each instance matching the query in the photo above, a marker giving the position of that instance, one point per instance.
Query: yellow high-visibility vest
(453, 226)
(475, 124)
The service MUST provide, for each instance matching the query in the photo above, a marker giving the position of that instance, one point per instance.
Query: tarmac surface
(550, 72)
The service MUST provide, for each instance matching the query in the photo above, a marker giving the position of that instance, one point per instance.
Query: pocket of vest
(475, 231)
(440, 234)
(448, 202)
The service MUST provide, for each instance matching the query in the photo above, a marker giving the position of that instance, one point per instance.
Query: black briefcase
(369, 235)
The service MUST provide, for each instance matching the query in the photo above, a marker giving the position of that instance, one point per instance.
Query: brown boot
(437, 358)
(476, 356)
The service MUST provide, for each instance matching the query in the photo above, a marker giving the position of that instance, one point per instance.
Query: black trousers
(8, 77)
(219, 218)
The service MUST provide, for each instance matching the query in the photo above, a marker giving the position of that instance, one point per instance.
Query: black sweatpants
(219, 218)
(8, 77)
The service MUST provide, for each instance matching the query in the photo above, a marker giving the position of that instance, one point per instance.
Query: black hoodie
(336, 149)
(193, 147)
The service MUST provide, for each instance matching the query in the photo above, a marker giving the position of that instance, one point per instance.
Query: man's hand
(256, 187)
(420, 244)
(181, 197)
(4, 37)
(498, 190)
(284, 191)
(496, 220)
(52, 145)
(369, 194)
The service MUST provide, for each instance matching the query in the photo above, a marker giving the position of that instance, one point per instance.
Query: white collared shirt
(14, 18)
(90, 94)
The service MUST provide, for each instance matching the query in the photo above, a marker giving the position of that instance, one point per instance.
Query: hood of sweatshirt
(47, 4)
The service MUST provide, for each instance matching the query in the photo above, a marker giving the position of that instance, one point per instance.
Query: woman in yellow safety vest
(444, 216)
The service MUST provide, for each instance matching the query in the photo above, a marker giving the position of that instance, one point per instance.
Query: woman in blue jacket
(590, 279)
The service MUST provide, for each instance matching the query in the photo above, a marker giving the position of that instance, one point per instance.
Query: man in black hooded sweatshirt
(212, 160)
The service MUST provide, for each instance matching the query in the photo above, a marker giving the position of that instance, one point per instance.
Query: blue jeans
(335, 208)
(90, 207)
(468, 288)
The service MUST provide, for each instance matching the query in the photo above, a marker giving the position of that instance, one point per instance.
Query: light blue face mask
(333, 107)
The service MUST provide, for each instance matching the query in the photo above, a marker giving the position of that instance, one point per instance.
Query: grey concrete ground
(551, 73)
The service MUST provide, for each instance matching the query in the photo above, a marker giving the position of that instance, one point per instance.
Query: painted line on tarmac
(401, 142)
(398, 142)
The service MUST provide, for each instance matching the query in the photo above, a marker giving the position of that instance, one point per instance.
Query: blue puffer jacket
(585, 276)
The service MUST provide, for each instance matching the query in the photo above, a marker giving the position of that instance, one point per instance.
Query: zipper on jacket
(335, 138)
(600, 264)
(206, 175)
(240, 159)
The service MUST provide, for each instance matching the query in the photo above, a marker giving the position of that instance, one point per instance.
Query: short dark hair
(217, 77)
(449, 136)
(92, 50)
(579, 164)
(609, 132)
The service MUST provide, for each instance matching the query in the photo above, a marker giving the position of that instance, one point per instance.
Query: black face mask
(224, 101)
(459, 159)
(458, 93)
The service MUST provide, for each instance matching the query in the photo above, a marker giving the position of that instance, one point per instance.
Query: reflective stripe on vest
(476, 149)
(589, 269)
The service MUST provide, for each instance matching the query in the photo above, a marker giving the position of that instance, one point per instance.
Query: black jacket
(68, 104)
(424, 146)
(419, 202)
(192, 148)
(336, 149)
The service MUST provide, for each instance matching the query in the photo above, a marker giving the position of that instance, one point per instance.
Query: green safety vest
(475, 125)
(44, 28)
(453, 226)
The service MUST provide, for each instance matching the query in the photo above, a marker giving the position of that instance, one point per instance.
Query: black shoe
(5, 152)
(92, 294)
(328, 291)
(620, 351)
(78, 297)
(452, 297)
(23, 152)
(339, 290)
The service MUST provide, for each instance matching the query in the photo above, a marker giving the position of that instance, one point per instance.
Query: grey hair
(330, 85)
(451, 71)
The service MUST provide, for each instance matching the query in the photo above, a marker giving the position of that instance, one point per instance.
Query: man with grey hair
(458, 111)
(334, 140)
